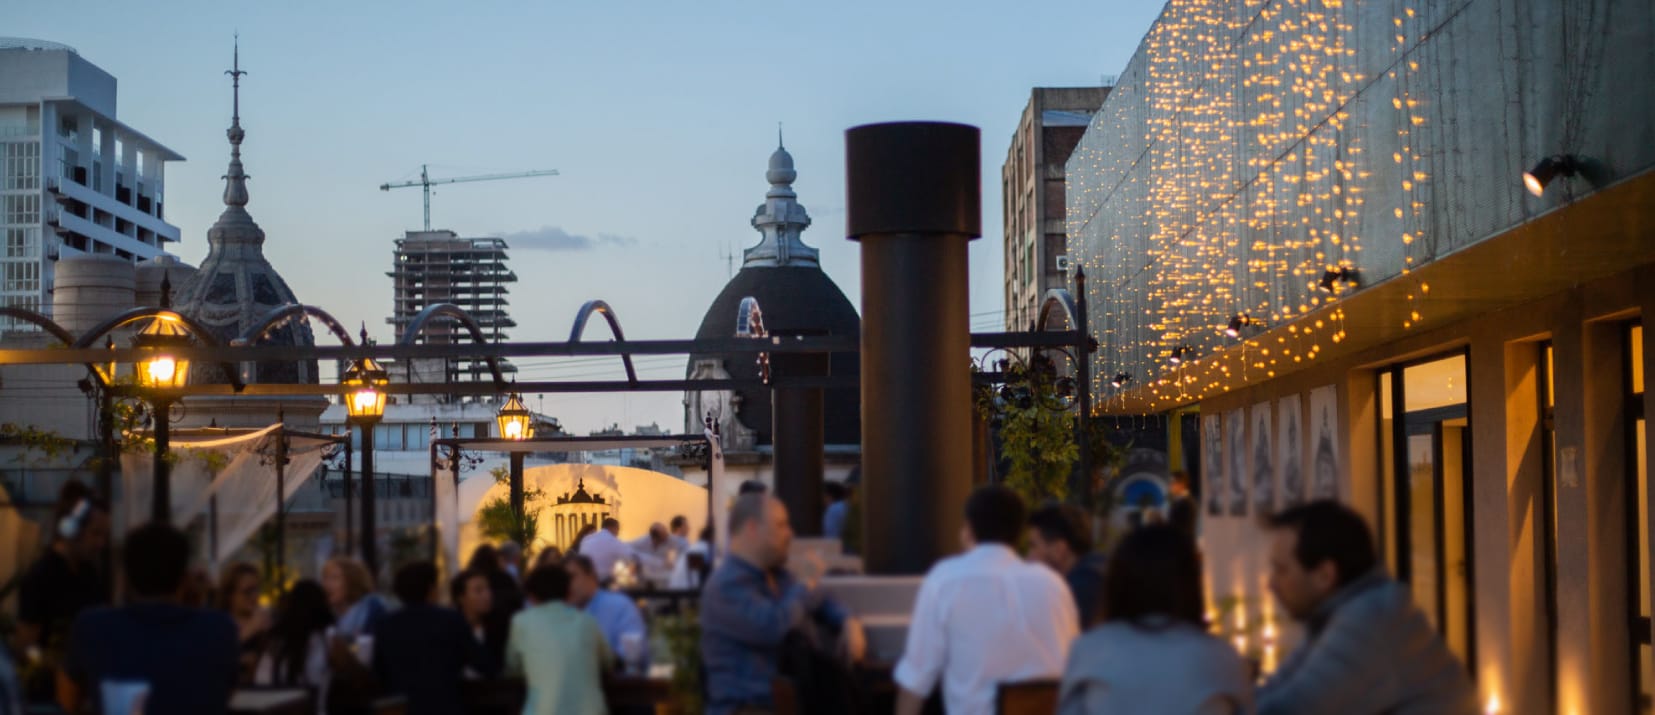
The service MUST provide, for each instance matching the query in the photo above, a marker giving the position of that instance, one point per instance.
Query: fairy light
(1230, 170)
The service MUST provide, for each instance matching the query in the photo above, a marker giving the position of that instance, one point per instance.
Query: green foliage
(1037, 434)
(496, 522)
(683, 636)
(48, 445)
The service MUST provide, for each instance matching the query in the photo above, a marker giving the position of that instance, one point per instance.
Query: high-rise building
(433, 267)
(1032, 195)
(72, 179)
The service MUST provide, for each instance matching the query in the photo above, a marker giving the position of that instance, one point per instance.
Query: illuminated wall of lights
(1253, 145)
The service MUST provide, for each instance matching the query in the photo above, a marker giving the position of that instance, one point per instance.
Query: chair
(1029, 697)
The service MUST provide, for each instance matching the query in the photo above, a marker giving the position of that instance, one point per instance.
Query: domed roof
(236, 285)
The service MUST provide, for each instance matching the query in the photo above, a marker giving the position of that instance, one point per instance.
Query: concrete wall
(1512, 633)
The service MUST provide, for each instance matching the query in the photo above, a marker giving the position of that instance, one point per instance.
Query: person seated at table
(357, 610)
(560, 651)
(1152, 652)
(422, 650)
(185, 658)
(606, 549)
(470, 594)
(511, 560)
(238, 596)
(753, 603)
(616, 614)
(1060, 536)
(508, 595)
(296, 649)
(655, 553)
(64, 581)
(694, 564)
(549, 556)
(680, 533)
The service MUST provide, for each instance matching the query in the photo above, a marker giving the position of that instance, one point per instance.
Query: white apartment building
(73, 179)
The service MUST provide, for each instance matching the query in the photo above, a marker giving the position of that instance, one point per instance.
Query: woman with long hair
(296, 652)
(238, 596)
(508, 595)
(470, 594)
(350, 590)
(1152, 653)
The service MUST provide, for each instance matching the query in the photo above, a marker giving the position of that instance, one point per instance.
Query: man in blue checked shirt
(751, 603)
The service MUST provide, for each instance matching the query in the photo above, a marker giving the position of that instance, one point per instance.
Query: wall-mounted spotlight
(1335, 276)
(1121, 378)
(1178, 354)
(1549, 168)
(1239, 321)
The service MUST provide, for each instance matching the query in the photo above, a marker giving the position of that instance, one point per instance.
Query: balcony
(63, 189)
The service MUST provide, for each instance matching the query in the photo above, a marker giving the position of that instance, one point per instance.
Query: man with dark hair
(680, 533)
(1060, 536)
(986, 616)
(616, 615)
(833, 518)
(185, 658)
(753, 486)
(67, 578)
(559, 650)
(606, 549)
(422, 650)
(1367, 648)
(751, 604)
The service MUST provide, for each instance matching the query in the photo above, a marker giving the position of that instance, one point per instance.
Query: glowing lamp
(515, 420)
(1551, 167)
(364, 386)
(161, 368)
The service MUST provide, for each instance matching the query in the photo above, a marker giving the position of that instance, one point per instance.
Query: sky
(659, 116)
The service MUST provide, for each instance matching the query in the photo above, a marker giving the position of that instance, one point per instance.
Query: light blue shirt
(616, 615)
(833, 521)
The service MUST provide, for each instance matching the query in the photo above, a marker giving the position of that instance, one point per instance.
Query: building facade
(1400, 256)
(432, 267)
(73, 179)
(1032, 194)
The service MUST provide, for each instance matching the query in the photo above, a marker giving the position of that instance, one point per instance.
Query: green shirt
(561, 653)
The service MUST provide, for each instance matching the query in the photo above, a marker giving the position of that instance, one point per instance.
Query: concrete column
(914, 202)
(1574, 655)
(1604, 451)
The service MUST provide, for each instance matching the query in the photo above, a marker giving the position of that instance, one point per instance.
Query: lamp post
(516, 424)
(364, 387)
(161, 371)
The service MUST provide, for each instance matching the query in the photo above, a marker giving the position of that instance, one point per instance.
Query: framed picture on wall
(1325, 464)
(1235, 468)
(1290, 451)
(1264, 461)
(1212, 463)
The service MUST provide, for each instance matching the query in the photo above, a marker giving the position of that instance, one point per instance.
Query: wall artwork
(1235, 431)
(1290, 451)
(1212, 463)
(1264, 461)
(1325, 466)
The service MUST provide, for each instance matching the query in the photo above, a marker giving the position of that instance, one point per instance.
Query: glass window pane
(1387, 472)
(1422, 537)
(1439, 383)
(1456, 570)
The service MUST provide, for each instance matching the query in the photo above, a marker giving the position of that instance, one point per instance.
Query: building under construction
(434, 267)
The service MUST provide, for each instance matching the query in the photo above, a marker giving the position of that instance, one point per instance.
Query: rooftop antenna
(729, 257)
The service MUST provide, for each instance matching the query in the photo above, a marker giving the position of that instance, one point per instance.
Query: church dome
(795, 296)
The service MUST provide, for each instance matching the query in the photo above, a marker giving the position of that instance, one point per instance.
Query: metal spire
(235, 188)
(779, 144)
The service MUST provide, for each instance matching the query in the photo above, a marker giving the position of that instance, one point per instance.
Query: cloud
(554, 238)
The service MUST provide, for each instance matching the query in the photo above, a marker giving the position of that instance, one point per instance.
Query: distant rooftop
(27, 43)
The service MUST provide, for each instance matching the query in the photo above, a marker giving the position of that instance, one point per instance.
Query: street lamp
(516, 424)
(160, 371)
(364, 384)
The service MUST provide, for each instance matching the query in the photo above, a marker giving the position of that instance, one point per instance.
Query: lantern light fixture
(1551, 167)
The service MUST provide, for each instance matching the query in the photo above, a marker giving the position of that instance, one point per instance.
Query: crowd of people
(1126, 632)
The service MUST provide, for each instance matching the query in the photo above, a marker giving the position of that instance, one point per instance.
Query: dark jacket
(188, 656)
(421, 652)
(1368, 649)
(1086, 583)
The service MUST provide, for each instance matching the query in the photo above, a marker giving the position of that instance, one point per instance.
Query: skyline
(661, 160)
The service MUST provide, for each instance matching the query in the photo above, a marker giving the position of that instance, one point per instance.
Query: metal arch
(197, 329)
(1057, 297)
(57, 331)
(276, 316)
(585, 314)
(449, 310)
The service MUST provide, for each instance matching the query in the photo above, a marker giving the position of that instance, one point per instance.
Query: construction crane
(426, 182)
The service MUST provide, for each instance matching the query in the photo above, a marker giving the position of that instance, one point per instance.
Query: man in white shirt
(605, 548)
(986, 616)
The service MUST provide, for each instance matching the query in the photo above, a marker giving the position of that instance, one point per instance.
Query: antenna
(729, 257)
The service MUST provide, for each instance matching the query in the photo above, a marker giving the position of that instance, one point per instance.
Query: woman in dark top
(508, 596)
(472, 597)
(238, 595)
(296, 652)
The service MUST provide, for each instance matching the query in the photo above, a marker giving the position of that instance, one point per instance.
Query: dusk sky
(659, 116)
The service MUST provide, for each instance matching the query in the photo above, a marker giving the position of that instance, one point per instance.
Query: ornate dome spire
(781, 218)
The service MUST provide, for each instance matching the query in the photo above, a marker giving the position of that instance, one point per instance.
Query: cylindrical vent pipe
(914, 202)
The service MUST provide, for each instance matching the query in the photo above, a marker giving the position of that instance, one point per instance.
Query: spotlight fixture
(1239, 321)
(1335, 276)
(1549, 168)
(1121, 378)
(1178, 354)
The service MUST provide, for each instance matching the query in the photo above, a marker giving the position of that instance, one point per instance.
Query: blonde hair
(358, 582)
